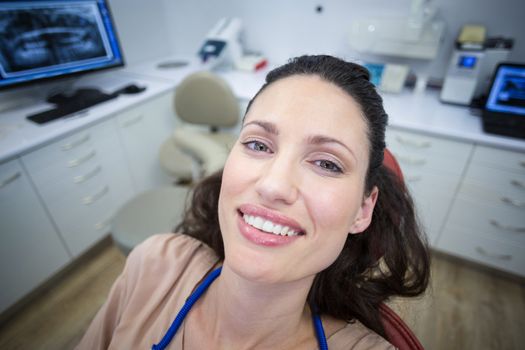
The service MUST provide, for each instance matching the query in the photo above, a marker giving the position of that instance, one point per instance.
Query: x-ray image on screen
(507, 93)
(512, 92)
(44, 36)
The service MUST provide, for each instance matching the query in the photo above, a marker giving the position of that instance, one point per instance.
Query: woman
(312, 232)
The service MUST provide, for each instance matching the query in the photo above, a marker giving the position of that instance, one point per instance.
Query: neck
(239, 313)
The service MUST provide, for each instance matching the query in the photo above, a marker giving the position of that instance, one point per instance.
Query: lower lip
(262, 238)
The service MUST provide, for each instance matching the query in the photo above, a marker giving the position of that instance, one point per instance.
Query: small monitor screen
(507, 93)
(467, 62)
(47, 39)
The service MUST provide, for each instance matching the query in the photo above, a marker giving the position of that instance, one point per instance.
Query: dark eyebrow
(321, 139)
(267, 126)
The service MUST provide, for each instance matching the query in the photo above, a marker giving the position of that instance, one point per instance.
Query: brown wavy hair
(390, 258)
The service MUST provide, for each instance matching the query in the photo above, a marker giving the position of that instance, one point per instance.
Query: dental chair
(398, 332)
(205, 102)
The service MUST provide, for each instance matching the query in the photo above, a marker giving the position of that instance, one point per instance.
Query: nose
(278, 182)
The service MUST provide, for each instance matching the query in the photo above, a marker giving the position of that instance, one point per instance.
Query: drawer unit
(490, 207)
(428, 154)
(495, 184)
(500, 159)
(495, 253)
(486, 219)
(84, 180)
(83, 218)
(432, 168)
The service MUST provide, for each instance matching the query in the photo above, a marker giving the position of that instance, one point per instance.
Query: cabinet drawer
(483, 218)
(83, 220)
(429, 154)
(500, 159)
(57, 160)
(497, 182)
(483, 250)
(484, 194)
(420, 181)
(96, 173)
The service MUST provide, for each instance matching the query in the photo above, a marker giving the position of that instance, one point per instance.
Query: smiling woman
(311, 232)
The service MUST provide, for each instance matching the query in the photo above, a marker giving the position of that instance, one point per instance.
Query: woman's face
(293, 185)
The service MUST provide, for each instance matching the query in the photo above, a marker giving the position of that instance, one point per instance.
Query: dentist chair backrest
(202, 98)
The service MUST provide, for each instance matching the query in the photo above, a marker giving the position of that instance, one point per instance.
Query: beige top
(158, 276)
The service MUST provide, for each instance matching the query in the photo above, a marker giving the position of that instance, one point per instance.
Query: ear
(364, 216)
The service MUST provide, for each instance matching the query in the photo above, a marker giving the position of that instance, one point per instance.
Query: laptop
(504, 111)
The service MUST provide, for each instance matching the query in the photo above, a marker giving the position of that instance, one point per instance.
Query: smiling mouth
(270, 227)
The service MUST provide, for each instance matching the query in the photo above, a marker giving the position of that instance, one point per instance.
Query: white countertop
(410, 110)
(423, 112)
(415, 111)
(19, 135)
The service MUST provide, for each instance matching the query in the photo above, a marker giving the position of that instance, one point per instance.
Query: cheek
(333, 208)
(235, 180)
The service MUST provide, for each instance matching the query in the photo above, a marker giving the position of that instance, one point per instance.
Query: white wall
(142, 29)
(284, 28)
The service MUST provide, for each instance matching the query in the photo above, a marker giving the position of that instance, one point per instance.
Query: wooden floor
(465, 308)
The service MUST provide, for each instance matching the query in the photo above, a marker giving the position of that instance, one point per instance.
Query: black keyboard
(70, 107)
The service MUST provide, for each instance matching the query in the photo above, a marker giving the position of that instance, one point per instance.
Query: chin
(254, 266)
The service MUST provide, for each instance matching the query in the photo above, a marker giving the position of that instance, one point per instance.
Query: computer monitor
(507, 93)
(504, 111)
(49, 39)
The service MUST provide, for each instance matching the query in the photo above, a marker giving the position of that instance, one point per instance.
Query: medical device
(504, 111)
(223, 45)
(472, 65)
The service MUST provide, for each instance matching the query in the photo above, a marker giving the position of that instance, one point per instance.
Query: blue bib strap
(186, 308)
(319, 331)
(318, 325)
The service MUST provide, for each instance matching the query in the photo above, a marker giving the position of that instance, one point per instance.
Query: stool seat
(165, 209)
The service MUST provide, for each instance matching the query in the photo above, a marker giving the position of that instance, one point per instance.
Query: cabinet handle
(517, 184)
(133, 121)
(76, 162)
(413, 143)
(101, 225)
(414, 178)
(513, 202)
(497, 225)
(83, 178)
(411, 160)
(506, 257)
(10, 179)
(92, 199)
(76, 143)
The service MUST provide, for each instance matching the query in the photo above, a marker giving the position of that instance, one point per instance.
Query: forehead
(311, 105)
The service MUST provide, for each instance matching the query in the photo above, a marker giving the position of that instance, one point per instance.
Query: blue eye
(256, 146)
(329, 166)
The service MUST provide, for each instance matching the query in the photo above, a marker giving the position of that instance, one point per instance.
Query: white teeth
(268, 226)
(258, 223)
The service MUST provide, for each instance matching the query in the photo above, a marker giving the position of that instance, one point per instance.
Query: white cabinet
(82, 179)
(487, 220)
(57, 201)
(432, 168)
(142, 130)
(30, 249)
